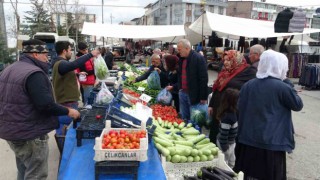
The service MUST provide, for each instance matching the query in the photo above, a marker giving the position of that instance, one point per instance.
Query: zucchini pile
(181, 143)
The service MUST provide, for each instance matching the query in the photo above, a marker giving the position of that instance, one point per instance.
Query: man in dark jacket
(108, 58)
(192, 79)
(28, 111)
(156, 65)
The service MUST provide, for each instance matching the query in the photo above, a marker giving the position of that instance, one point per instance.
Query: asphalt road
(302, 164)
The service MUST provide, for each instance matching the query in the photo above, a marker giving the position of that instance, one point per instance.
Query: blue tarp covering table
(77, 162)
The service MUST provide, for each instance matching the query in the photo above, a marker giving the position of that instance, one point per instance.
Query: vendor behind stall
(156, 65)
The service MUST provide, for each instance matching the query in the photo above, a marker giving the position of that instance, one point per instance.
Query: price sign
(145, 98)
(141, 88)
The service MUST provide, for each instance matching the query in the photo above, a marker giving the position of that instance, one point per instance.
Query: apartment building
(180, 12)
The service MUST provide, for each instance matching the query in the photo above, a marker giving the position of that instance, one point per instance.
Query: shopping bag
(104, 96)
(154, 80)
(199, 114)
(164, 97)
(100, 68)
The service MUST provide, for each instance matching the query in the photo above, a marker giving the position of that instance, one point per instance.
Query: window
(221, 10)
(211, 8)
(188, 6)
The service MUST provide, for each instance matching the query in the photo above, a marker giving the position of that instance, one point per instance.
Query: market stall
(130, 136)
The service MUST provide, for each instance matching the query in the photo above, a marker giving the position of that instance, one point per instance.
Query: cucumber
(191, 132)
(196, 159)
(175, 159)
(206, 152)
(168, 158)
(177, 137)
(170, 125)
(209, 146)
(210, 157)
(194, 152)
(190, 159)
(181, 125)
(189, 125)
(175, 124)
(162, 149)
(183, 146)
(203, 158)
(204, 145)
(214, 151)
(183, 159)
(204, 141)
(172, 150)
(187, 129)
(163, 142)
(160, 121)
(185, 143)
(198, 138)
(187, 152)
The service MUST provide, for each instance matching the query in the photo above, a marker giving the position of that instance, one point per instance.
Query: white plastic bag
(104, 96)
(100, 68)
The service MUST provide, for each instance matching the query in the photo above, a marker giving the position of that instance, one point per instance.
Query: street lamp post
(102, 23)
(202, 4)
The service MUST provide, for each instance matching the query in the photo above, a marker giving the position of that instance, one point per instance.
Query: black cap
(82, 46)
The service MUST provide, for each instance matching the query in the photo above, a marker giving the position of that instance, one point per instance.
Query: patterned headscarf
(238, 64)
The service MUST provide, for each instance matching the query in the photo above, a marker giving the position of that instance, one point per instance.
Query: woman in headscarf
(265, 131)
(235, 73)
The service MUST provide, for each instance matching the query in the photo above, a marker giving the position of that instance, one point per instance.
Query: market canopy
(227, 25)
(166, 33)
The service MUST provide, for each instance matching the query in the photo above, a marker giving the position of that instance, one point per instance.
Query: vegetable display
(190, 146)
(123, 139)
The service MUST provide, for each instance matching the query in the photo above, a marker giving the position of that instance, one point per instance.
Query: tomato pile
(166, 113)
(131, 93)
(122, 139)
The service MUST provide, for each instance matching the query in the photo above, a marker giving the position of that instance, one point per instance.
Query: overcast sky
(128, 13)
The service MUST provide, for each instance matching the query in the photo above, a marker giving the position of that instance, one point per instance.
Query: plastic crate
(120, 154)
(90, 127)
(176, 171)
(117, 167)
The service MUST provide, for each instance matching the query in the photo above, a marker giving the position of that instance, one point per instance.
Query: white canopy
(238, 26)
(165, 33)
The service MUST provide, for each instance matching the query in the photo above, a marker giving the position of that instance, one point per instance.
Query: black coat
(281, 24)
(197, 77)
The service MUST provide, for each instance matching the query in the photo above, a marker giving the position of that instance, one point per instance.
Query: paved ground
(302, 164)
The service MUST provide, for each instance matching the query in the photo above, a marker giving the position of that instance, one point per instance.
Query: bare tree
(16, 28)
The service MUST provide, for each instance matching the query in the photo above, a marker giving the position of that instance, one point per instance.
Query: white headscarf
(272, 64)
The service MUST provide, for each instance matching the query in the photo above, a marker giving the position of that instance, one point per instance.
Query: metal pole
(102, 23)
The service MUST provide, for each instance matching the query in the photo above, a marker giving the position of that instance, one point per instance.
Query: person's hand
(96, 83)
(74, 114)
(83, 73)
(95, 52)
(114, 67)
(169, 88)
(203, 101)
(158, 70)
(210, 111)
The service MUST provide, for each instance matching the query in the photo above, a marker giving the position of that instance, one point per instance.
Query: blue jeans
(185, 105)
(31, 158)
(86, 93)
(65, 120)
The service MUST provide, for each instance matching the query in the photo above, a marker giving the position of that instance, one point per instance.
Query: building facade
(180, 12)
(261, 10)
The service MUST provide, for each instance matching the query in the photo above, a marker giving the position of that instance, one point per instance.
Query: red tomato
(98, 116)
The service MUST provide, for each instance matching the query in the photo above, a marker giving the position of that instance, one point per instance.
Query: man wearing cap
(85, 73)
(28, 111)
(64, 79)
